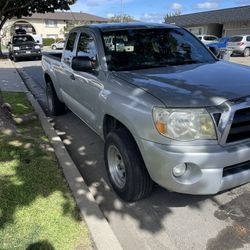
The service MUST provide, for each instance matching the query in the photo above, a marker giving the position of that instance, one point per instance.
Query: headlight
(37, 47)
(184, 124)
(16, 48)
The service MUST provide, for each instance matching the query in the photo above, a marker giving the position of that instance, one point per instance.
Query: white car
(58, 45)
(207, 39)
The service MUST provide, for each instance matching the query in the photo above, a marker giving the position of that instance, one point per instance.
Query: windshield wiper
(141, 66)
(184, 61)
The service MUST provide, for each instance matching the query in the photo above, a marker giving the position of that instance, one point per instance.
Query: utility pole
(121, 11)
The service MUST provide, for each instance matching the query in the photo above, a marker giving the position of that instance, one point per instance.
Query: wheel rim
(49, 99)
(247, 52)
(116, 166)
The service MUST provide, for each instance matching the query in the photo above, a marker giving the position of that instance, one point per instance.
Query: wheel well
(110, 123)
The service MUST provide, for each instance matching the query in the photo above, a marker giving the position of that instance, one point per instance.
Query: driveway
(240, 60)
(166, 220)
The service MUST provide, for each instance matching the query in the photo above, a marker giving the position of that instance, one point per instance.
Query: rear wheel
(54, 47)
(55, 106)
(126, 170)
(246, 52)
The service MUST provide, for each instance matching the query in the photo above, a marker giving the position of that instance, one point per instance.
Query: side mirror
(82, 63)
(215, 50)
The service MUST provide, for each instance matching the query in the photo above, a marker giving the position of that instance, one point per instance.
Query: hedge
(48, 41)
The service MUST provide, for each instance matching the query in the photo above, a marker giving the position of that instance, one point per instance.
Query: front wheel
(54, 47)
(126, 170)
(246, 52)
(55, 106)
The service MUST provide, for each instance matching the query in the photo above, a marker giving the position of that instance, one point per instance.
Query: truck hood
(193, 85)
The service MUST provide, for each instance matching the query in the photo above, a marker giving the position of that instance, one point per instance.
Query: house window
(51, 23)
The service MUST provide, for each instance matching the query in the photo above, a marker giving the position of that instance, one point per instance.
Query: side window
(71, 41)
(248, 38)
(68, 52)
(86, 47)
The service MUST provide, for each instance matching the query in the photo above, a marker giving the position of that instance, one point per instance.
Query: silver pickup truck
(168, 111)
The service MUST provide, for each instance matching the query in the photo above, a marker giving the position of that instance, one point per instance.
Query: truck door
(88, 84)
(66, 72)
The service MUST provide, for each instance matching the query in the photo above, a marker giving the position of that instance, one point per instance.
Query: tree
(22, 8)
(172, 14)
(121, 19)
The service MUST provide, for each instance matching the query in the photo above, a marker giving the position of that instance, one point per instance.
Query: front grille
(240, 128)
(230, 170)
(26, 47)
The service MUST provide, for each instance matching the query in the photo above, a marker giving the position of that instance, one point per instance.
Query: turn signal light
(161, 127)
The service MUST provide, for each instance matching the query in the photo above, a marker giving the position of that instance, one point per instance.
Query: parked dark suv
(24, 46)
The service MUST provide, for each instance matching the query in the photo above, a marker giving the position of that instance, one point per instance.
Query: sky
(151, 10)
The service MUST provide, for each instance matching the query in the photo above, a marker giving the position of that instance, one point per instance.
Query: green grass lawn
(37, 210)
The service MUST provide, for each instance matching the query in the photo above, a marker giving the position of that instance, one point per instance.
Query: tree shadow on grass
(40, 245)
(29, 172)
(34, 196)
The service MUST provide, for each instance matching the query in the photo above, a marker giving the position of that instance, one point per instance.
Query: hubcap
(116, 166)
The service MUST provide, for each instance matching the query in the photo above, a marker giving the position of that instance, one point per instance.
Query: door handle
(72, 77)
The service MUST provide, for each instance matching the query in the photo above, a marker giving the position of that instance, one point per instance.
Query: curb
(101, 232)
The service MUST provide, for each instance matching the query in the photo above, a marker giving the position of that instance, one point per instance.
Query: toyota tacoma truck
(167, 109)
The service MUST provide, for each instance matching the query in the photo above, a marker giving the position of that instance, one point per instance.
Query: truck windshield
(148, 48)
(22, 39)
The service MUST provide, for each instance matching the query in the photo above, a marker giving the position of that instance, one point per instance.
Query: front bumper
(237, 49)
(205, 165)
(25, 54)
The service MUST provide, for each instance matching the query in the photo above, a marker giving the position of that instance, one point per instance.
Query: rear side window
(210, 38)
(248, 38)
(236, 39)
(71, 41)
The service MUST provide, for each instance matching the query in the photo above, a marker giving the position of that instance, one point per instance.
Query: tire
(15, 59)
(54, 47)
(132, 181)
(55, 106)
(246, 52)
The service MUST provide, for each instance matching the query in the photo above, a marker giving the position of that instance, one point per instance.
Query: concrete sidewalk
(9, 78)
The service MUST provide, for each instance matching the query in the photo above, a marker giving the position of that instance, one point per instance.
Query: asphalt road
(166, 220)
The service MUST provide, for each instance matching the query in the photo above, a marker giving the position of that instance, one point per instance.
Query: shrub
(48, 41)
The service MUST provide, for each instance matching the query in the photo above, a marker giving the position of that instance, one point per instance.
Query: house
(49, 25)
(223, 22)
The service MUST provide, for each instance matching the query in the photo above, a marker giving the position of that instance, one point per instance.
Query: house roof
(209, 17)
(69, 16)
